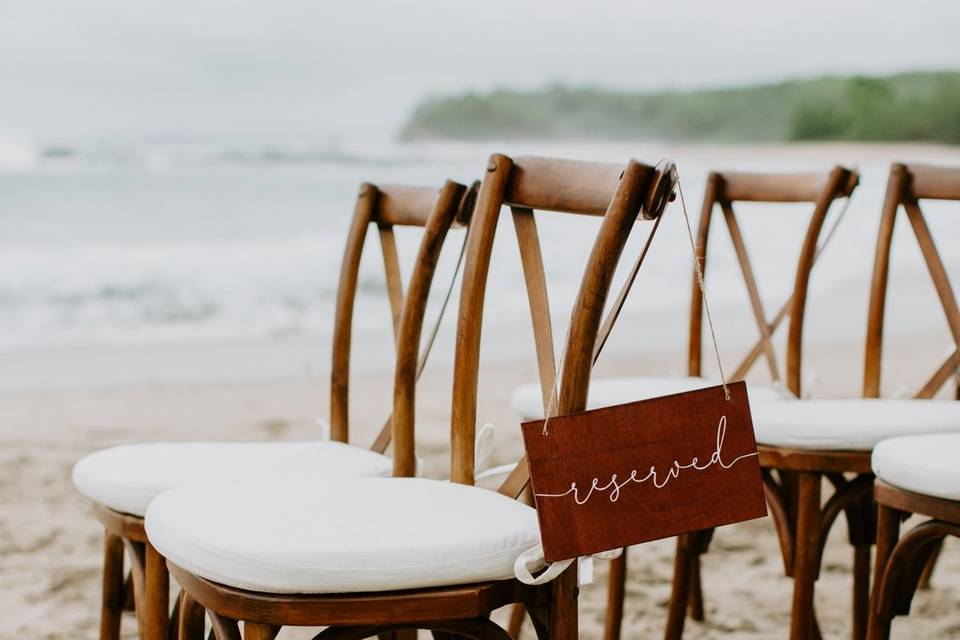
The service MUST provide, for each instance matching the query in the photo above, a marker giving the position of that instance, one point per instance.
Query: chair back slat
(724, 190)
(531, 258)
(756, 304)
(839, 183)
(411, 324)
(938, 274)
(402, 207)
(906, 186)
(391, 270)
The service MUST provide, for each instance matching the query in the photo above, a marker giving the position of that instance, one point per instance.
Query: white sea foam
(138, 244)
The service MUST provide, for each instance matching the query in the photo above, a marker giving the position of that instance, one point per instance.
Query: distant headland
(914, 106)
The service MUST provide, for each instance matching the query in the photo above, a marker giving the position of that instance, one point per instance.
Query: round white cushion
(925, 464)
(127, 478)
(849, 425)
(290, 535)
(527, 399)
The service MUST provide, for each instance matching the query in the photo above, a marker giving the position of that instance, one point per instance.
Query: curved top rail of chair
(407, 206)
(565, 186)
(932, 182)
(780, 187)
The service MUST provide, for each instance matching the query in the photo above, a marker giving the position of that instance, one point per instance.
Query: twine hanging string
(698, 268)
(625, 290)
(435, 329)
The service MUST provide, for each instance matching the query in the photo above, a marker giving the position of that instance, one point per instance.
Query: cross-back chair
(805, 443)
(915, 474)
(724, 190)
(472, 535)
(121, 481)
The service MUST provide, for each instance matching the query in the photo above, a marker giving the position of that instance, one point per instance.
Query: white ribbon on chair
(532, 559)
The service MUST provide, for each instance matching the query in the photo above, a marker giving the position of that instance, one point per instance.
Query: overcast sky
(239, 68)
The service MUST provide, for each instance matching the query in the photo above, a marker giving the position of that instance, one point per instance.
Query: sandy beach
(50, 545)
(195, 197)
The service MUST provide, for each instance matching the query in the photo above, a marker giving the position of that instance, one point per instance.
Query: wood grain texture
(363, 212)
(568, 186)
(418, 605)
(873, 353)
(111, 607)
(588, 449)
(778, 187)
(933, 182)
(411, 326)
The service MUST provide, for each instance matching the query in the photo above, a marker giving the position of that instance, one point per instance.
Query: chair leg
(137, 556)
(129, 597)
(806, 558)
(258, 631)
(156, 614)
(861, 591)
(863, 535)
(680, 589)
(696, 591)
(616, 591)
(888, 532)
(189, 622)
(515, 624)
(563, 605)
(224, 628)
(111, 608)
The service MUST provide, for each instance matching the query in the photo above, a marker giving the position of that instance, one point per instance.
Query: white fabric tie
(532, 560)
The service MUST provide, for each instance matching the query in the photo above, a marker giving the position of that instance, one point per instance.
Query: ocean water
(126, 247)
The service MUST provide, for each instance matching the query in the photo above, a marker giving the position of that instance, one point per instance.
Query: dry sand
(50, 544)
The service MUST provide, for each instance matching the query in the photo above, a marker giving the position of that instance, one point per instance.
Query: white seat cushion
(288, 535)
(128, 477)
(605, 392)
(851, 425)
(925, 464)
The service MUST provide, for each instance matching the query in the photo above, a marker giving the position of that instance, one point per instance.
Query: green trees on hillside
(911, 106)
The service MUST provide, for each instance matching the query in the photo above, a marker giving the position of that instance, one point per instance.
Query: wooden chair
(122, 481)
(186, 524)
(725, 189)
(915, 474)
(807, 442)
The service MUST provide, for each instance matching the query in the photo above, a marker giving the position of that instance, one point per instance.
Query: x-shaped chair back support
(724, 189)
(906, 187)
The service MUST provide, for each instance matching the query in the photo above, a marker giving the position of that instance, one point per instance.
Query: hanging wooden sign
(631, 473)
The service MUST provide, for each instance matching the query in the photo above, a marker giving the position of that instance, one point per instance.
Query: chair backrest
(615, 192)
(906, 186)
(385, 207)
(726, 188)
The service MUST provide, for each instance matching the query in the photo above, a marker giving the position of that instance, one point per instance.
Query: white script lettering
(615, 485)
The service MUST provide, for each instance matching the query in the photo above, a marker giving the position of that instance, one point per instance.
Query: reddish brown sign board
(622, 475)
